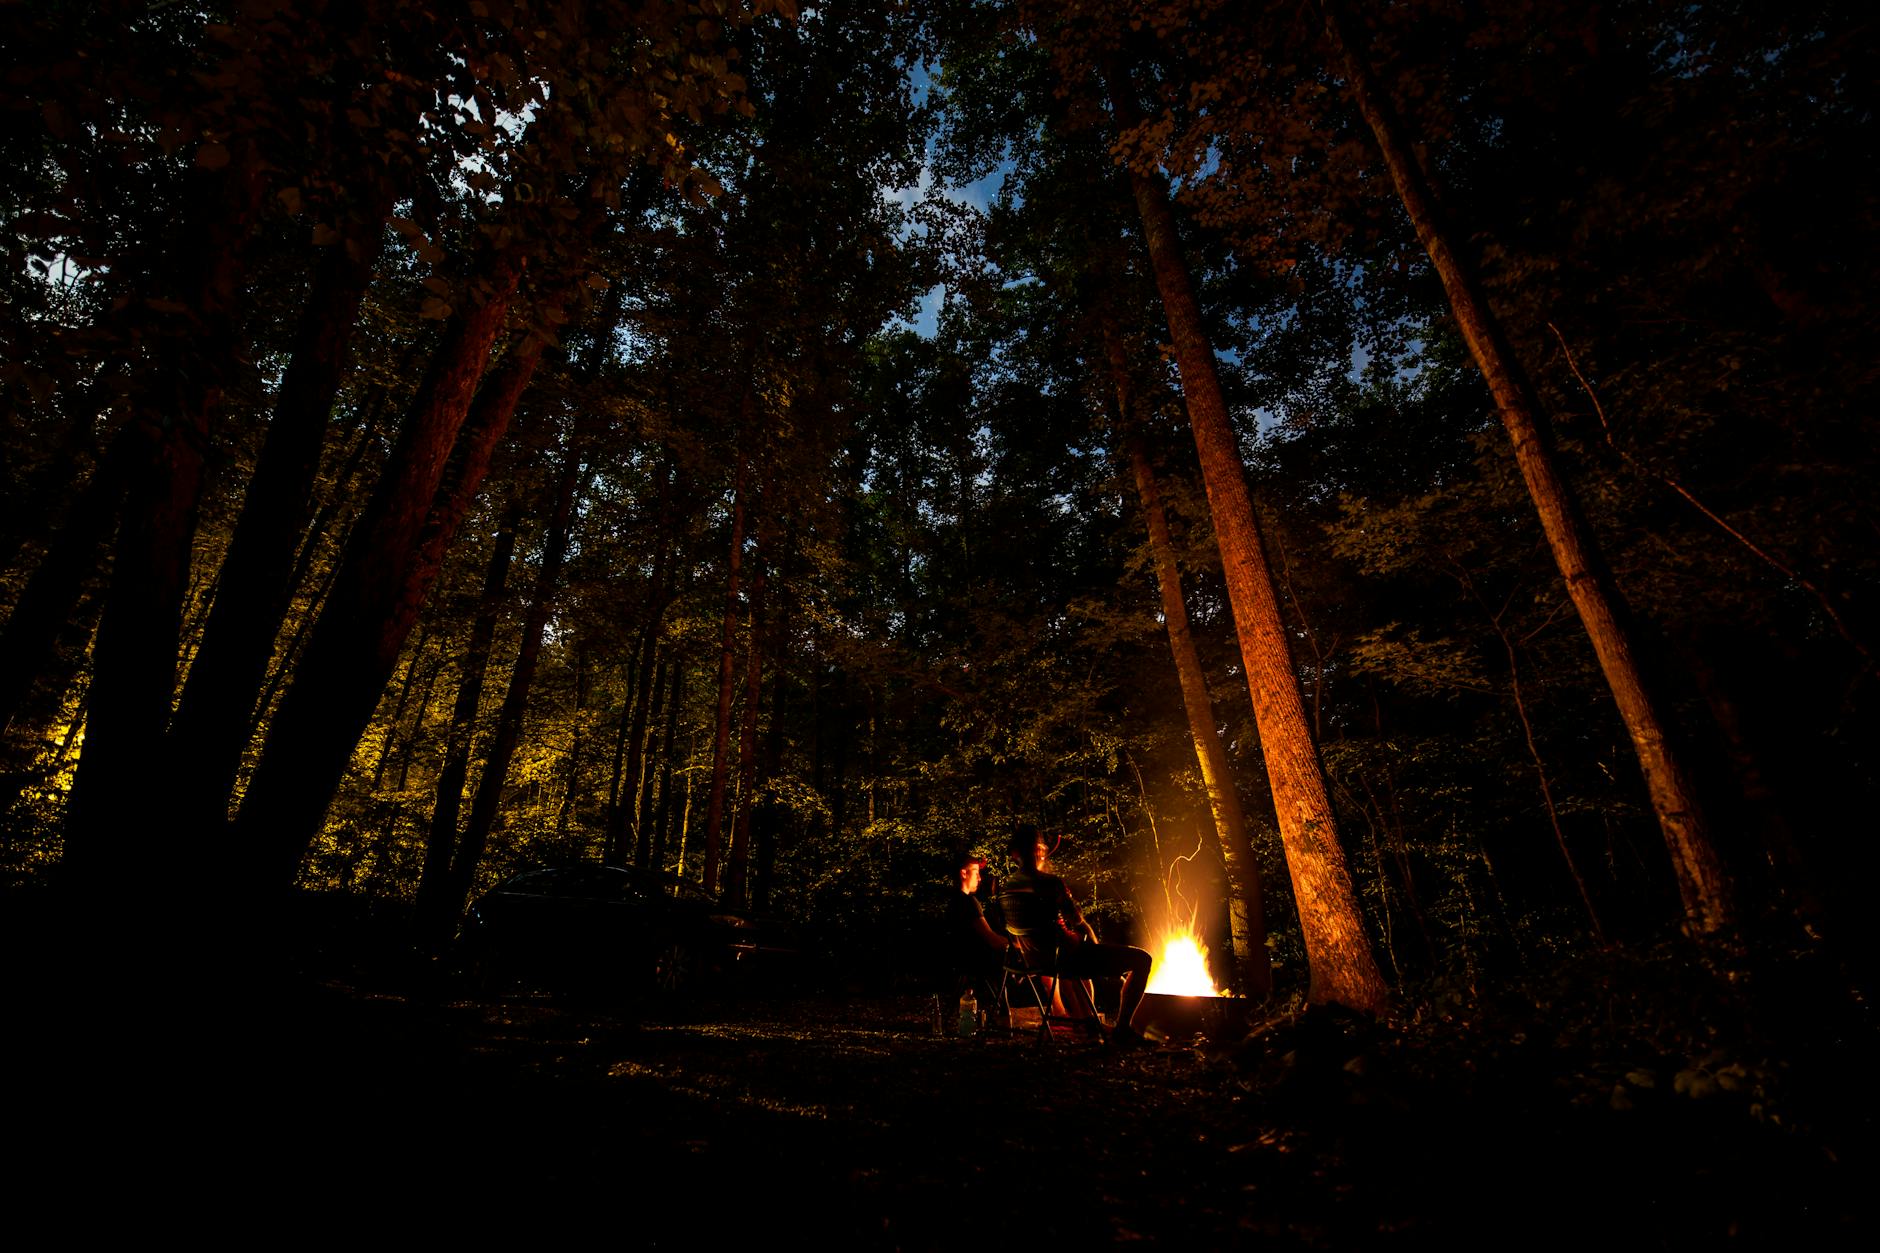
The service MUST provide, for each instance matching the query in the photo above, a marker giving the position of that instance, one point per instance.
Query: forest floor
(841, 1116)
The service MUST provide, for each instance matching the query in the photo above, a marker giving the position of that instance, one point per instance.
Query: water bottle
(969, 1012)
(939, 1022)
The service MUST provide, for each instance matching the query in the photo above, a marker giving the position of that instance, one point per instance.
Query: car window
(614, 885)
(677, 889)
(536, 883)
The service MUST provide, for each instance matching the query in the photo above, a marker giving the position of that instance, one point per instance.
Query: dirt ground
(728, 1120)
(343, 1102)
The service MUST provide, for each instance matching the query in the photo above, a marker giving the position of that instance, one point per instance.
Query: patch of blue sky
(1209, 165)
(978, 196)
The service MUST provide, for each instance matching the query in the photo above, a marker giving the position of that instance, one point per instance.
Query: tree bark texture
(1703, 886)
(1245, 906)
(1337, 951)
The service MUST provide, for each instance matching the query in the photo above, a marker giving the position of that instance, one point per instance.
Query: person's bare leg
(1134, 983)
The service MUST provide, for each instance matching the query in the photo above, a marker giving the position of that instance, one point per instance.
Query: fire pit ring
(1179, 1019)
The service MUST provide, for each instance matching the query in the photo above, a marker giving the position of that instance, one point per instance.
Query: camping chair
(1035, 966)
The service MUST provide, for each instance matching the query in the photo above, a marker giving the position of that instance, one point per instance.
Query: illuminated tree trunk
(1338, 954)
(727, 681)
(1702, 883)
(391, 560)
(1246, 915)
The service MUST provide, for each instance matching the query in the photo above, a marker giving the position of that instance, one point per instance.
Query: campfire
(1181, 959)
(1181, 965)
(1182, 1001)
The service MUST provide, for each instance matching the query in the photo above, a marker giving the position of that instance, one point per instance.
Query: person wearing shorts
(1039, 904)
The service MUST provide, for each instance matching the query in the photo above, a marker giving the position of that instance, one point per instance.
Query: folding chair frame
(1033, 975)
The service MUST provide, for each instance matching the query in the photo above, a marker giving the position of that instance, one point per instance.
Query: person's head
(1028, 846)
(967, 868)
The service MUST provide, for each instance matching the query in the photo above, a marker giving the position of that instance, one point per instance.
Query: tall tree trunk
(134, 658)
(643, 804)
(737, 864)
(764, 821)
(441, 838)
(727, 681)
(1790, 870)
(572, 783)
(398, 709)
(630, 817)
(310, 543)
(1703, 885)
(409, 750)
(1245, 906)
(662, 812)
(613, 851)
(390, 562)
(212, 720)
(1337, 952)
(508, 733)
(1512, 653)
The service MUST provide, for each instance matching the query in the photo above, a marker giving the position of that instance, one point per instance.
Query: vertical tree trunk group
(1337, 951)
(1702, 883)
(1246, 913)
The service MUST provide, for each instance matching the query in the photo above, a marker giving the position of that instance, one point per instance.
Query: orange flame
(1181, 968)
(1181, 959)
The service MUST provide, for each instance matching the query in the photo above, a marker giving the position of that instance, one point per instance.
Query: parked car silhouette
(600, 928)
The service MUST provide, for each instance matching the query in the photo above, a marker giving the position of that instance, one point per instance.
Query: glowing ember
(1181, 969)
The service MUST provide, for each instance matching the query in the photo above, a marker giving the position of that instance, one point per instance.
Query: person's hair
(1020, 842)
(967, 857)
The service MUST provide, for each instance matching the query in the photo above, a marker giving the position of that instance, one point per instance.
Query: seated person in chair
(1045, 920)
(972, 947)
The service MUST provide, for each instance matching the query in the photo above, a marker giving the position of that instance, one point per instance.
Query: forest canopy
(1395, 480)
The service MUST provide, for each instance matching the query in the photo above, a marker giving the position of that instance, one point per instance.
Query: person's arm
(984, 931)
(1072, 918)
